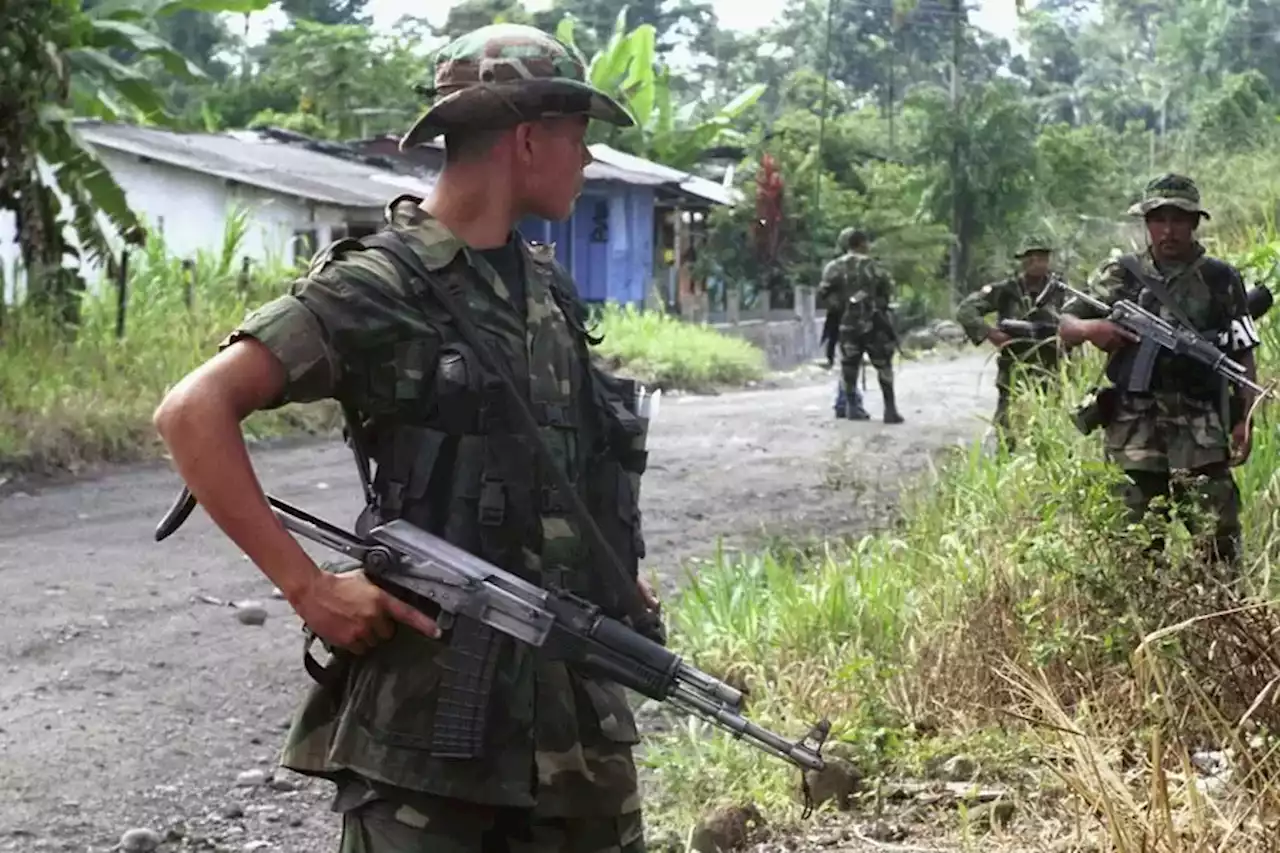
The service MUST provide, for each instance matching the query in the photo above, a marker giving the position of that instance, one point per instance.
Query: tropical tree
(627, 68)
(64, 61)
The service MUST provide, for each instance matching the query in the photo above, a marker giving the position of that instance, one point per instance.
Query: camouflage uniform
(833, 297)
(866, 325)
(556, 771)
(1175, 441)
(1014, 298)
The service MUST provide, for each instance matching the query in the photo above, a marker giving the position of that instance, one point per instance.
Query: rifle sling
(395, 246)
(1160, 291)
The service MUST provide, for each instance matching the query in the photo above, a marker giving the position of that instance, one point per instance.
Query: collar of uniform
(1170, 269)
(439, 245)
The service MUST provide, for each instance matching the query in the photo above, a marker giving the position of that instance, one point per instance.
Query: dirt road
(130, 701)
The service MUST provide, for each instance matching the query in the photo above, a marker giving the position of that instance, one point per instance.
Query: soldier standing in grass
(833, 295)
(1031, 295)
(866, 326)
(550, 767)
(1181, 440)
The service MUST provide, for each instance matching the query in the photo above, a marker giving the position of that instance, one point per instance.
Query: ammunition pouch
(1098, 409)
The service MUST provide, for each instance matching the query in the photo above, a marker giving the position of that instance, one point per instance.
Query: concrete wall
(787, 343)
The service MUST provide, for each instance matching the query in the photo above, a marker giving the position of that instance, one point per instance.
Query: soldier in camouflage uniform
(866, 325)
(1030, 295)
(833, 296)
(1180, 440)
(555, 772)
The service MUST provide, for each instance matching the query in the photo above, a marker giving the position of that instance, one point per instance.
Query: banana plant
(66, 63)
(626, 68)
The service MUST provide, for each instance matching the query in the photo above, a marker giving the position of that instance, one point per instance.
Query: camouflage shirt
(1219, 309)
(851, 274)
(1009, 299)
(1183, 422)
(353, 329)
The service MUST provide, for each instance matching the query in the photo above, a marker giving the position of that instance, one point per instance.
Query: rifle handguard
(1028, 329)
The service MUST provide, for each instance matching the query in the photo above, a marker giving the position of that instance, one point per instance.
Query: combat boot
(853, 411)
(891, 415)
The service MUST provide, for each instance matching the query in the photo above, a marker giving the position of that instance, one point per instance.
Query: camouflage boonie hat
(1035, 243)
(1169, 190)
(503, 74)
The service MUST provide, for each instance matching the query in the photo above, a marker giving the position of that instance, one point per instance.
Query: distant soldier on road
(866, 326)
(1032, 296)
(833, 295)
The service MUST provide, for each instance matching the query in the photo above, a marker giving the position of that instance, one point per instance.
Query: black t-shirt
(506, 262)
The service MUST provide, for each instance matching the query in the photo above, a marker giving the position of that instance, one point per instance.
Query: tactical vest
(1180, 373)
(451, 457)
(1016, 304)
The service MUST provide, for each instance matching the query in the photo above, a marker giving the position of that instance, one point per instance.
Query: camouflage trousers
(1211, 490)
(1176, 447)
(440, 825)
(1031, 376)
(877, 349)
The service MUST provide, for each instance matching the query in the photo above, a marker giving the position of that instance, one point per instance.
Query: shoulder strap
(394, 245)
(1158, 288)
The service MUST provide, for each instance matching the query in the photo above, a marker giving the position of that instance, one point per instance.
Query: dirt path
(128, 701)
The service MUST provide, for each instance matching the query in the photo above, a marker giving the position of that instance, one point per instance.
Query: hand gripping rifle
(437, 576)
(1155, 333)
(1259, 300)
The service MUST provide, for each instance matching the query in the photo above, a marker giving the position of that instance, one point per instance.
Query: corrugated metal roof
(662, 175)
(249, 158)
(292, 168)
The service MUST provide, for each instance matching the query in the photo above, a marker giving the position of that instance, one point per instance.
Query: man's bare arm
(199, 420)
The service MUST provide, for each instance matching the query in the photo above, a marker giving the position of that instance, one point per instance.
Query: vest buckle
(493, 501)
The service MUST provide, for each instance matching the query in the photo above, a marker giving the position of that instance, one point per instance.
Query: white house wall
(190, 210)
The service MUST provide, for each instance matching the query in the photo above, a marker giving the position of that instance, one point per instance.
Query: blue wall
(607, 244)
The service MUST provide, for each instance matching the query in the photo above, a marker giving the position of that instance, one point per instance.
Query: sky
(996, 16)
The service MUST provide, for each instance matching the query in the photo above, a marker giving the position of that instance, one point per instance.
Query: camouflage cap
(1169, 190)
(848, 237)
(1034, 243)
(503, 74)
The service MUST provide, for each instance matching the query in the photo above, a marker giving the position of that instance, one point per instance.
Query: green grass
(666, 352)
(74, 402)
(1013, 590)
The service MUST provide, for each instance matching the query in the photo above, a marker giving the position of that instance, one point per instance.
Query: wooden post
(122, 292)
(243, 280)
(188, 282)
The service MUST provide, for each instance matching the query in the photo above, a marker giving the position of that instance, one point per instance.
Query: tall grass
(667, 352)
(87, 398)
(1012, 614)
(71, 401)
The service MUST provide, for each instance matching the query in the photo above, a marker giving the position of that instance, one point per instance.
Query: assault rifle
(1155, 334)
(1259, 300)
(439, 577)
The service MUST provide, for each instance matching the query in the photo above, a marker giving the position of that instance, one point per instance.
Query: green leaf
(663, 101)
(639, 83)
(564, 30)
(142, 10)
(86, 182)
(135, 87)
(130, 37)
(609, 66)
(744, 101)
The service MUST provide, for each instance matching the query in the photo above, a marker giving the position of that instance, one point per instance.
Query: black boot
(891, 415)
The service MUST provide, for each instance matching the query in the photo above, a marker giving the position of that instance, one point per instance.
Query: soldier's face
(1035, 264)
(1172, 231)
(554, 155)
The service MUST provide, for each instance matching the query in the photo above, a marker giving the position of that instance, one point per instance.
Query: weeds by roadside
(70, 403)
(666, 352)
(1012, 618)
